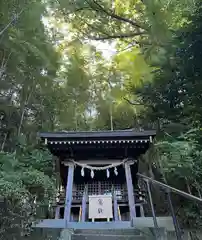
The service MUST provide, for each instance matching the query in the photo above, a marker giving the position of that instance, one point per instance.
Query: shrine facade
(97, 174)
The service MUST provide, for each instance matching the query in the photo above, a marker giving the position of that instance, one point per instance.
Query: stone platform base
(140, 222)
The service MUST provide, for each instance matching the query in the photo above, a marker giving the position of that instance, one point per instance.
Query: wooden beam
(94, 162)
(56, 162)
(80, 212)
(131, 199)
(84, 205)
(69, 188)
(116, 213)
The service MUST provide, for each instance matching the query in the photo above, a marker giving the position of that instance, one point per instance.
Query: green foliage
(18, 181)
(181, 162)
(22, 182)
(180, 158)
(133, 64)
(28, 66)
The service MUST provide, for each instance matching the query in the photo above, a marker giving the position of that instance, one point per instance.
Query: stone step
(108, 234)
(131, 231)
(106, 237)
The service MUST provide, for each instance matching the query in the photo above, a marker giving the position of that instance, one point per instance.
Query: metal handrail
(167, 187)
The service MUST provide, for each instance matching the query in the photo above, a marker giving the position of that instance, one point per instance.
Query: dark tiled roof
(131, 133)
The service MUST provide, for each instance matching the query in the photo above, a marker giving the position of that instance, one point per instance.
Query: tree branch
(132, 103)
(138, 103)
(121, 36)
(113, 15)
(81, 9)
(93, 28)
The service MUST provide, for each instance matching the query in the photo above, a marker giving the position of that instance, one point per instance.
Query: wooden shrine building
(97, 174)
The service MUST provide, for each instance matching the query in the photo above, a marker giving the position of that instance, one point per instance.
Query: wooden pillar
(68, 197)
(84, 205)
(116, 214)
(131, 199)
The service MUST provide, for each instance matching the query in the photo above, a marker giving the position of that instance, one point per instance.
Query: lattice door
(102, 188)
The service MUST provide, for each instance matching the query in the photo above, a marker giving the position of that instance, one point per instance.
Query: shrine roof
(98, 144)
(131, 133)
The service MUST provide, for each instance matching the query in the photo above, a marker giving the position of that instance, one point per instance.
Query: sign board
(100, 206)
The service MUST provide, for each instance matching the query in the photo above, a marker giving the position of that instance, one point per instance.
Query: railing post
(175, 222)
(68, 197)
(156, 228)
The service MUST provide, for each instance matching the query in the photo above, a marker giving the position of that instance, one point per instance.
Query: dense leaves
(23, 186)
(28, 66)
(174, 95)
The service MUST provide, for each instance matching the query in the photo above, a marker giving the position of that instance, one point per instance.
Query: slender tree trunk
(21, 120)
(11, 22)
(4, 142)
(4, 64)
(198, 189)
(150, 172)
(23, 112)
(111, 118)
(188, 186)
(75, 117)
(136, 118)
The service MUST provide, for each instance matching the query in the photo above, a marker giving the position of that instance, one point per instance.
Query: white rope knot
(93, 168)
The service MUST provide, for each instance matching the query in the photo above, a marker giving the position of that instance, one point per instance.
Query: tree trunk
(23, 112)
(198, 189)
(4, 142)
(11, 22)
(188, 186)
